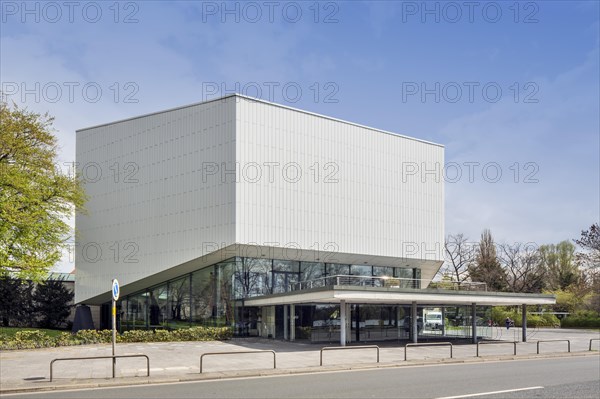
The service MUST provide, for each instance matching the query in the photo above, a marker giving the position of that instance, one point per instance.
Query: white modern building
(272, 220)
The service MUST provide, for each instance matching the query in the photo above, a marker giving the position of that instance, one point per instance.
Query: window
(334, 269)
(253, 277)
(157, 304)
(311, 270)
(179, 302)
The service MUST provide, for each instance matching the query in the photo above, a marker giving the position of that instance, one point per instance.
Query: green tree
(11, 294)
(16, 302)
(487, 268)
(36, 198)
(28, 316)
(559, 263)
(52, 303)
(567, 301)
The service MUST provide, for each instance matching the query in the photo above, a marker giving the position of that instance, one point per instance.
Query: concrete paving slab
(180, 361)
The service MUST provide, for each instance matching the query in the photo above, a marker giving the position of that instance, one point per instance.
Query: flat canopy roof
(382, 295)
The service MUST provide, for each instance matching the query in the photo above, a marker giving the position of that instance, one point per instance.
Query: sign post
(115, 297)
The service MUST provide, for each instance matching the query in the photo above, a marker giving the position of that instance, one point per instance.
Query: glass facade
(311, 271)
(334, 269)
(157, 305)
(179, 305)
(383, 322)
(213, 296)
(202, 308)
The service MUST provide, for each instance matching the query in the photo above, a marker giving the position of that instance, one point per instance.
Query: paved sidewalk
(179, 361)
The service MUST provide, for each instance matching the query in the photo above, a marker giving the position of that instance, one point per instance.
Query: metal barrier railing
(429, 344)
(236, 353)
(593, 339)
(497, 342)
(114, 357)
(333, 348)
(554, 340)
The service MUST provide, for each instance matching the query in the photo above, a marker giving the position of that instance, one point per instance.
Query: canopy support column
(524, 322)
(413, 322)
(443, 321)
(285, 322)
(474, 321)
(292, 322)
(342, 323)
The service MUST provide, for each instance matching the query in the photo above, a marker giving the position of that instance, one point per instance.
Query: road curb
(221, 375)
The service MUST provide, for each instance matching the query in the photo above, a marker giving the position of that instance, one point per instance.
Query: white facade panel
(334, 186)
(149, 207)
(171, 187)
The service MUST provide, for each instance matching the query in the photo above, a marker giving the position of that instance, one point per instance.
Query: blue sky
(367, 62)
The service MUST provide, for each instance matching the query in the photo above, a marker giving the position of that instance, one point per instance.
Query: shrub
(64, 339)
(136, 336)
(499, 315)
(586, 319)
(162, 336)
(546, 320)
(31, 335)
(551, 320)
(38, 339)
(93, 336)
(30, 339)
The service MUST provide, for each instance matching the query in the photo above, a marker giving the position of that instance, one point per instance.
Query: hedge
(499, 316)
(38, 339)
(582, 319)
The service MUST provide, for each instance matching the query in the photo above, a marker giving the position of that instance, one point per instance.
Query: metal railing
(429, 344)
(236, 353)
(554, 340)
(333, 348)
(458, 286)
(357, 281)
(593, 339)
(384, 282)
(497, 342)
(113, 357)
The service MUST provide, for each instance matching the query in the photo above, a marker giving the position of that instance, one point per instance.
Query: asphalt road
(575, 377)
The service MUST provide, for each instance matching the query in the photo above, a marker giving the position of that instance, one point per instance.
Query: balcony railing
(458, 286)
(386, 282)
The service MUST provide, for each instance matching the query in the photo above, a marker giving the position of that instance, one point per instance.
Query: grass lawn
(11, 331)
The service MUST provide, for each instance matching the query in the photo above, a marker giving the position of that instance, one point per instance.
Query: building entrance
(378, 322)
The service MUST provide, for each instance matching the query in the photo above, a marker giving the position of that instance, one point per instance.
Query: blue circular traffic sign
(115, 289)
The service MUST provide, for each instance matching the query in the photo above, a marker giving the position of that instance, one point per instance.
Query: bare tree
(589, 260)
(524, 271)
(179, 292)
(590, 242)
(459, 254)
(253, 277)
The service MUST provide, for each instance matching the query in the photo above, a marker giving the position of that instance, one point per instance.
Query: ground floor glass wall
(366, 322)
(209, 296)
(204, 297)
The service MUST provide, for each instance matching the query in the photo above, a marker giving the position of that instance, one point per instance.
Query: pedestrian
(508, 322)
